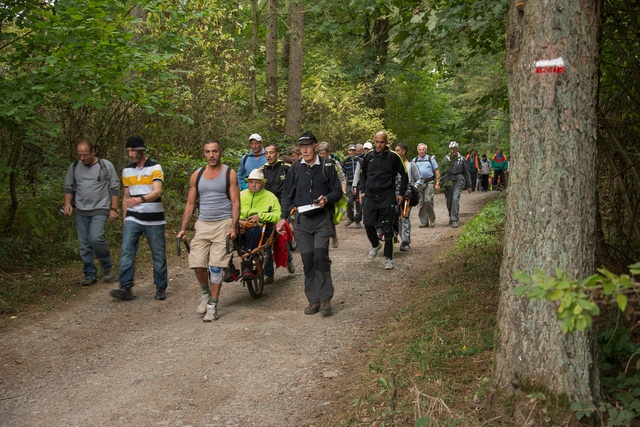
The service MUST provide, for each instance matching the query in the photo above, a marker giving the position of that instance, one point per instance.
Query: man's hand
(232, 233)
(133, 201)
(182, 235)
(399, 199)
(280, 227)
(68, 210)
(113, 215)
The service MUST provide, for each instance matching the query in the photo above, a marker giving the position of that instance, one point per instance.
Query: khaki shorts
(209, 245)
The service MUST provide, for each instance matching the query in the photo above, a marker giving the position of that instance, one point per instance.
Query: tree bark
(551, 201)
(294, 88)
(254, 54)
(272, 61)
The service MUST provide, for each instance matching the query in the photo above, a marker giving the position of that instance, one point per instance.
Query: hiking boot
(212, 313)
(122, 294)
(432, 225)
(404, 246)
(348, 223)
(88, 281)
(373, 252)
(268, 280)
(108, 276)
(247, 269)
(335, 241)
(325, 307)
(229, 275)
(161, 294)
(358, 225)
(202, 307)
(312, 309)
(424, 225)
(291, 267)
(389, 265)
(454, 224)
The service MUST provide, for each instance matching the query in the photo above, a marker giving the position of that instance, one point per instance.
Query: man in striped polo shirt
(143, 214)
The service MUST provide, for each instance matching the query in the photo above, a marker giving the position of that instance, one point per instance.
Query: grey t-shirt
(92, 186)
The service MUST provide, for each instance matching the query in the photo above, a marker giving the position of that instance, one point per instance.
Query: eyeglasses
(82, 155)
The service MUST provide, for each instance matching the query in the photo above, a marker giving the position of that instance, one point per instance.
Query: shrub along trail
(100, 362)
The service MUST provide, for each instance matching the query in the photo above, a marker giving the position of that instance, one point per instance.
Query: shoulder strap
(228, 183)
(200, 172)
(104, 168)
(75, 165)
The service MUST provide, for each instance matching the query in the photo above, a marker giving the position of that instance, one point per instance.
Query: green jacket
(259, 203)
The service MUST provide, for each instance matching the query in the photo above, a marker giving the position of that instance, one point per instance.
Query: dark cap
(136, 143)
(307, 138)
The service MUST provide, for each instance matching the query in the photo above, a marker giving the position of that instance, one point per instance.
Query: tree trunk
(272, 61)
(294, 88)
(551, 202)
(253, 55)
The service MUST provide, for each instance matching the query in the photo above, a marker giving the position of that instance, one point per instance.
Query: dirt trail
(100, 362)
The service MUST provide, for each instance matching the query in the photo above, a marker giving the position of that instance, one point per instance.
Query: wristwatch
(115, 209)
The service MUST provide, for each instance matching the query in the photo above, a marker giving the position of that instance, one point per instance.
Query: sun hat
(257, 175)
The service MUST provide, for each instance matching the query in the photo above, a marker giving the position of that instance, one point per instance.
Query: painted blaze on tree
(551, 203)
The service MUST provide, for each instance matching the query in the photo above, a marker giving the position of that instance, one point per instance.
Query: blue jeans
(90, 230)
(130, 241)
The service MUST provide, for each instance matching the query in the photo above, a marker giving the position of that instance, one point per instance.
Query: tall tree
(271, 53)
(294, 88)
(551, 204)
(253, 46)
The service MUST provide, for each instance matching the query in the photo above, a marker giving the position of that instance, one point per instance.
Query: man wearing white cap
(252, 160)
(455, 178)
(367, 147)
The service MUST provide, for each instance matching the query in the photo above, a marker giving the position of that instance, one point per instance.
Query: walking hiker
(218, 213)
(485, 173)
(414, 176)
(252, 160)
(455, 179)
(91, 191)
(143, 214)
(499, 166)
(428, 182)
(378, 191)
(352, 166)
(275, 173)
(312, 187)
(473, 164)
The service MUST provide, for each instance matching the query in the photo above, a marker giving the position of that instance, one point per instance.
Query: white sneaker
(202, 307)
(212, 313)
(389, 265)
(373, 252)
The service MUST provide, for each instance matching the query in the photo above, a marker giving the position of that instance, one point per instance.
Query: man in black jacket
(312, 187)
(380, 167)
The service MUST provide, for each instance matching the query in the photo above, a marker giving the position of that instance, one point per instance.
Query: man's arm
(190, 207)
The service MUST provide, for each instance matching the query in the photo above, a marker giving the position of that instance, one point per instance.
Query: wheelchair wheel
(255, 286)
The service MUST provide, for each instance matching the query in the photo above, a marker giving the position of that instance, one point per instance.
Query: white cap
(368, 145)
(256, 137)
(453, 144)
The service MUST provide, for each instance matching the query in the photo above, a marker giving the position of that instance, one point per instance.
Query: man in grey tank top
(217, 218)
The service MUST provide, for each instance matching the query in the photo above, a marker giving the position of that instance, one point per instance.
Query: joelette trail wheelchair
(251, 271)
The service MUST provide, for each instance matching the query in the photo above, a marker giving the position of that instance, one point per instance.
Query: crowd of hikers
(303, 193)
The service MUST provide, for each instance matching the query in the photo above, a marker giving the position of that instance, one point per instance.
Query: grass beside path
(431, 364)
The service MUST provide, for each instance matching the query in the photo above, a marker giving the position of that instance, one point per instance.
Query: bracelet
(142, 198)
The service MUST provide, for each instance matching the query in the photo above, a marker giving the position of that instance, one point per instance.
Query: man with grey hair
(93, 184)
(428, 182)
(455, 179)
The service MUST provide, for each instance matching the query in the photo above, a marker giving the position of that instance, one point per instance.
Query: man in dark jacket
(312, 187)
(380, 167)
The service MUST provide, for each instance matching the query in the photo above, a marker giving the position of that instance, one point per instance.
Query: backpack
(103, 168)
(414, 195)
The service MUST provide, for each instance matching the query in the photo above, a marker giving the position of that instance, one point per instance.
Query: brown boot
(325, 307)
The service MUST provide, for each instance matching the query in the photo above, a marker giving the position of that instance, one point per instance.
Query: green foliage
(577, 299)
(484, 229)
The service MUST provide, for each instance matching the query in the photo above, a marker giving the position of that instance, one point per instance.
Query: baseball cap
(307, 138)
(135, 143)
(256, 137)
(368, 145)
(453, 144)
(352, 147)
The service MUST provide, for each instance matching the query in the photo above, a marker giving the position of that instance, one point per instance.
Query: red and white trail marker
(550, 66)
